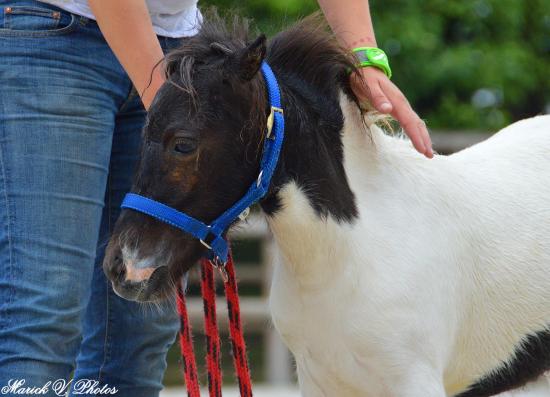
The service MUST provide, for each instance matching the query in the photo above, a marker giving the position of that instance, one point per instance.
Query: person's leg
(57, 110)
(125, 343)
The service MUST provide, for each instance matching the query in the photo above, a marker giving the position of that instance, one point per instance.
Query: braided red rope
(213, 358)
(186, 346)
(236, 332)
(240, 362)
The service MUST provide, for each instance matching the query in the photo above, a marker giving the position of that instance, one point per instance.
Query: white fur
(137, 267)
(443, 274)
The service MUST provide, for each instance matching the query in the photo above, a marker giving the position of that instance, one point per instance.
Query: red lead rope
(236, 332)
(213, 355)
(186, 346)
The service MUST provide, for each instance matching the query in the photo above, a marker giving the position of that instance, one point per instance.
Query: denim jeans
(70, 128)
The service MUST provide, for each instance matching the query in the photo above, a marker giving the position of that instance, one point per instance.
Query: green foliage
(468, 64)
(270, 16)
(476, 64)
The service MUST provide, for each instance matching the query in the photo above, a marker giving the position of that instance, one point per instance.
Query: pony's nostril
(115, 269)
(117, 261)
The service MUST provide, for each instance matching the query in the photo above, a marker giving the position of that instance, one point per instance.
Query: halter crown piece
(211, 236)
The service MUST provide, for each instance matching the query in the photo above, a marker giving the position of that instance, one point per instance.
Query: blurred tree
(469, 64)
(474, 64)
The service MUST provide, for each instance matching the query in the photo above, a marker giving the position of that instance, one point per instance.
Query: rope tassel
(213, 353)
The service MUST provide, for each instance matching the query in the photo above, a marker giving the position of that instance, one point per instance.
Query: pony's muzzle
(149, 290)
(132, 281)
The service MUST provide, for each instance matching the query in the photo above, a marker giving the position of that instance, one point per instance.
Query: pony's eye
(185, 146)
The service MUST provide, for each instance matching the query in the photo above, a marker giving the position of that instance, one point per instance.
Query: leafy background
(470, 64)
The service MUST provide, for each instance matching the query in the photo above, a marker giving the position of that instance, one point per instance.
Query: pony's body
(399, 276)
(443, 274)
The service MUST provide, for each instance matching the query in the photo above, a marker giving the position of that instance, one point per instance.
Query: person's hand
(377, 88)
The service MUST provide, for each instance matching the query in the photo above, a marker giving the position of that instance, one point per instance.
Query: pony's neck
(375, 172)
(312, 156)
(312, 206)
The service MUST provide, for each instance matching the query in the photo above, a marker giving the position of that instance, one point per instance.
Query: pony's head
(202, 145)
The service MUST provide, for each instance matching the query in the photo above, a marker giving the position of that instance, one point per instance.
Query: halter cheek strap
(211, 236)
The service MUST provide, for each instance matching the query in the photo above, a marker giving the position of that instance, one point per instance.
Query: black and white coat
(437, 285)
(397, 276)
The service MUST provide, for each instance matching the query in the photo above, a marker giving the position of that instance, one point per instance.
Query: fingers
(378, 99)
(369, 87)
(427, 140)
(388, 99)
(418, 133)
(414, 126)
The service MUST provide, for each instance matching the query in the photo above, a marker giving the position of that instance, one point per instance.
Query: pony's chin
(140, 295)
(154, 289)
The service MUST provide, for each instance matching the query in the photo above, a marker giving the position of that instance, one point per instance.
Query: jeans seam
(107, 339)
(109, 197)
(9, 224)
(129, 98)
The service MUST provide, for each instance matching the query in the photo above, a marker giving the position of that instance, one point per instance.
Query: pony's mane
(307, 49)
(231, 32)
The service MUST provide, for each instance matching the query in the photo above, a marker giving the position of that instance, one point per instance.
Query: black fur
(206, 126)
(312, 71)
(531, 360)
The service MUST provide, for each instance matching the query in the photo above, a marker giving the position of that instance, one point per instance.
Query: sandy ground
(259, 391)
(269, 391)
(263, 391)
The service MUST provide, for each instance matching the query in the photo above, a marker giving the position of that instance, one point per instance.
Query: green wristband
(372, 56)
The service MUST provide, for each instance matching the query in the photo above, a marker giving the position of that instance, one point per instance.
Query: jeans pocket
(26, 21)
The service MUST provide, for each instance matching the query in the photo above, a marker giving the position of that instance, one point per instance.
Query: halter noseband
(211, 236)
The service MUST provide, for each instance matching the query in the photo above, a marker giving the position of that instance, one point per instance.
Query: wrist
(364, 41)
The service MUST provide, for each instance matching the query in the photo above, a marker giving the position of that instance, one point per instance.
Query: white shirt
(171, 18)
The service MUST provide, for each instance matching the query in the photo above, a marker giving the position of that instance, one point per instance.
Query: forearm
(351, 23)
(127, 27)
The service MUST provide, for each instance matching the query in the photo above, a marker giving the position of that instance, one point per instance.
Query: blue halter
(211, 236)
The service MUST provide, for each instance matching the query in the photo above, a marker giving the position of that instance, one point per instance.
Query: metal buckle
(259, 181)
(208, 234)
(243, 215)
(205, 244)
(220, 267)
(271, 119)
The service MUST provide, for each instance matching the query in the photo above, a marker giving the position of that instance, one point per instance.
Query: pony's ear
(250, 59)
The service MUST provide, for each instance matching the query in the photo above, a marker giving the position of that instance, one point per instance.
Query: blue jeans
(70, 128)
